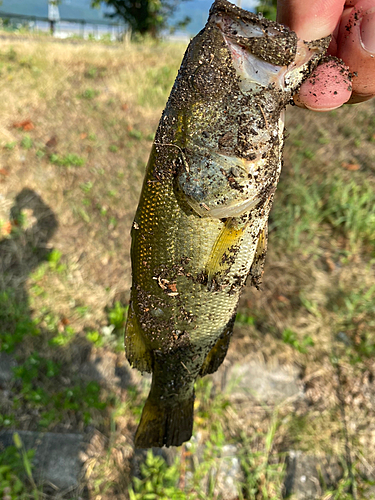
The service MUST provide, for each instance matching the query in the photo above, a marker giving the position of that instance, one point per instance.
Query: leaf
(17, 440)
(350, 166)
(25, 125)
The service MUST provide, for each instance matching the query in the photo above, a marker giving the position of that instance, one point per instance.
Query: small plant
(27, 142)
(15, 322)
(92, 72)
(158, 481)
(95, 338)
(289, 337)
(113, 148)
(69, 160)
(117, 315)
(263, 471)
(135, 134)
(244, 319)
(86, 186)
(15, 464)
(64, 337)
(89, 93)
(12, 54)
(10, 145)
(54, 258)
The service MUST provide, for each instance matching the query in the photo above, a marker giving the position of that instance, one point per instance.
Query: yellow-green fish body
(201, 225)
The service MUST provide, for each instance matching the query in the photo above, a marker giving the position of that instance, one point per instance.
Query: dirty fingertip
(328, 87)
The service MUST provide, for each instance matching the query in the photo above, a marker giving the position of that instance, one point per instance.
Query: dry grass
(91, 111)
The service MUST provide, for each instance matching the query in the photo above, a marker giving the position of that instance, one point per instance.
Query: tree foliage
(268, 8)
(143, 16)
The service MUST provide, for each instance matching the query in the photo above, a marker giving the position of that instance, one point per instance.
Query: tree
(268, 8)
(143, 16)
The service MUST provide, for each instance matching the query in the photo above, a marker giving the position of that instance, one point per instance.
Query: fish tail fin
(163, 424)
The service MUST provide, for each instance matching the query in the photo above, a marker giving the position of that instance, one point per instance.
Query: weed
(159, 82)
(15, 464)
(289, 337)
(350, 209)
(27, 142)
(54, 258)
(355, 310)
(10, 145)
(90, 93)
(15, 322)
(69, 160)
(158, 481)
(263, 471)
(63, 338)
(117, 315)
(244, 319)
(95, 338)
(86, 186)
(113, 148)
(135, 134)
(84, 215)
(92, 72)
(303, 210)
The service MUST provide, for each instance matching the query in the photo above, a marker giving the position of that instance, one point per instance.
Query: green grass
(306, 209)
(68, 160)
(316, 310)
(16, 480)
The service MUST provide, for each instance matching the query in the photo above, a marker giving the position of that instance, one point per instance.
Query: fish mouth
(264, 53)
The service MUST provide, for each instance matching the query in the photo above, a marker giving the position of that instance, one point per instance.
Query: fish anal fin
(257, 267)
(224, 249)
(137, 353)
(163, 424)
(217, 354)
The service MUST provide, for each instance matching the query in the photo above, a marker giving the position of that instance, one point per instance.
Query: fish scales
(201, 225)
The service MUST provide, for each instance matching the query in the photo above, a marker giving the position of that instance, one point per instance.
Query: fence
(66, 26)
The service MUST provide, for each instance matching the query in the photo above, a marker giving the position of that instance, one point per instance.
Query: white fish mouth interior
(255, 73)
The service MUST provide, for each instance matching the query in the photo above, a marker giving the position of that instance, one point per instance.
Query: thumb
(312, 19)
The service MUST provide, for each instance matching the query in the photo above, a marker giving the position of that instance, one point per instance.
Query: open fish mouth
(264, 54)
(269, 63)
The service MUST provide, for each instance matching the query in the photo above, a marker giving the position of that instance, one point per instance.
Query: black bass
(201, 225)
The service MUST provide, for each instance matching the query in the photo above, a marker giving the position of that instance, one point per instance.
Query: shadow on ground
(63, 389)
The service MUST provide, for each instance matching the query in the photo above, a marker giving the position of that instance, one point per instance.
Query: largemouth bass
(201, 225)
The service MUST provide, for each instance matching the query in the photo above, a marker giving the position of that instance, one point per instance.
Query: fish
(200, 229)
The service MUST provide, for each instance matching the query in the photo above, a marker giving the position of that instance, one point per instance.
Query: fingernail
(368, 30)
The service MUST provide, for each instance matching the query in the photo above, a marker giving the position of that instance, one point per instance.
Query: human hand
(352, 24)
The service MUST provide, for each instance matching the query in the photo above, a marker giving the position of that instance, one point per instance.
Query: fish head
(265, 53)
(241, 71)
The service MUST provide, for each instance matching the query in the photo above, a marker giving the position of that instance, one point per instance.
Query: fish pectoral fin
(224, 250)
(257, 267)
(137, 353)
(164, 424)
(217, 354)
